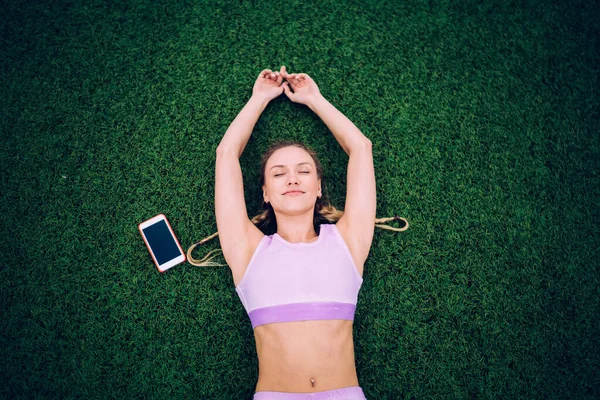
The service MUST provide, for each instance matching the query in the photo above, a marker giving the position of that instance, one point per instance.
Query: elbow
(361, 146)
(221, 150)
(366, 144)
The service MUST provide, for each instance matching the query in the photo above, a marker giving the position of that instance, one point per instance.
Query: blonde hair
(266, 221)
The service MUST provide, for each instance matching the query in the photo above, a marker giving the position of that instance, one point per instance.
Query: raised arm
(345, 132)
(233, 225)
(358, 222)
(237, 135)
(306, 91)
(266, 88)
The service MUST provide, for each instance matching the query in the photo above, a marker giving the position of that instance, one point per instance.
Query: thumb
(287, 91)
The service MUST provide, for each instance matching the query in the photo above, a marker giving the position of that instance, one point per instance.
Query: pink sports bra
(287, 282)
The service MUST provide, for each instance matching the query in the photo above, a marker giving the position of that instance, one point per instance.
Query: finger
(264, 73)
(286, 73)
(268, 74)
(287, 90)
(292, 83)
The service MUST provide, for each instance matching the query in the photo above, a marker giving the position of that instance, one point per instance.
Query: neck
(296, 228)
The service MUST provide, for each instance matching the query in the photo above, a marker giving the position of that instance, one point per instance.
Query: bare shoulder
(353, 245)
(250, 243)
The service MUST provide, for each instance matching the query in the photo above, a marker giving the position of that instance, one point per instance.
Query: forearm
(345, 132)
(239, 131)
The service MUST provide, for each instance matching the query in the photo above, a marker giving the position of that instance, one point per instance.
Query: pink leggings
(347, 393)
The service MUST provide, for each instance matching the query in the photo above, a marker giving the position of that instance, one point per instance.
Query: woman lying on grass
(300, 284)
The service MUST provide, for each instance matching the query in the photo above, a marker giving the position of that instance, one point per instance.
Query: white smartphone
(162, 242)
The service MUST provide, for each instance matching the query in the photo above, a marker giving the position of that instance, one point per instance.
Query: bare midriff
(305, 356)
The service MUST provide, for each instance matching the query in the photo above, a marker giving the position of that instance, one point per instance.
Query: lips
(294, 191)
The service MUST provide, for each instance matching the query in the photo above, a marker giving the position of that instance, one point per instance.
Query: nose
(292, 179)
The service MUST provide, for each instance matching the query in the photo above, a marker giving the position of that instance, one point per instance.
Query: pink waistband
(302, 312)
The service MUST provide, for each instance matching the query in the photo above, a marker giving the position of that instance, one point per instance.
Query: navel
(312, 382)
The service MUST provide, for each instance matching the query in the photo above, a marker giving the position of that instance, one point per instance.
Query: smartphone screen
(162, 243)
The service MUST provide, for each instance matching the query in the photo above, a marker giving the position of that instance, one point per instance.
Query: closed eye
(302, 172)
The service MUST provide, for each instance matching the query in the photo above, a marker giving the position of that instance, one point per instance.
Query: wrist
(316, 103)
(260, 100)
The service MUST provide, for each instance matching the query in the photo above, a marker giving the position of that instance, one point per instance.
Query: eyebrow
(296, 164)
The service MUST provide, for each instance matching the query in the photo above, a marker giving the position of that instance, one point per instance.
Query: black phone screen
(162, 242)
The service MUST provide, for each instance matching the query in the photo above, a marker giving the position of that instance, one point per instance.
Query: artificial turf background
(485, 130)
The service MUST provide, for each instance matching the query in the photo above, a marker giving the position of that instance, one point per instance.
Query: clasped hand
(269, 85)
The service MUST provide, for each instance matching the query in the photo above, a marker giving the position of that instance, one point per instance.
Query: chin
(295, 209)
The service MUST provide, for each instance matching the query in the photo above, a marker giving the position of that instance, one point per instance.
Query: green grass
(485, 130)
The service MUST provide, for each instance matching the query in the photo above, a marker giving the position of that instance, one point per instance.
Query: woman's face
(291, 168)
